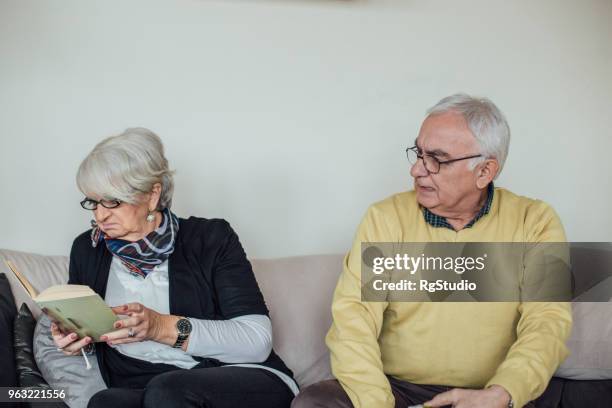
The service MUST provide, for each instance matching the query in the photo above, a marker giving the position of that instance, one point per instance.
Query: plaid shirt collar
(440, 222)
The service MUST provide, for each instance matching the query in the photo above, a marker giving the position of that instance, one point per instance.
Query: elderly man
(465, 355)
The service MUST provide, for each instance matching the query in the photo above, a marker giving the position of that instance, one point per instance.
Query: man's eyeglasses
(90, 204)
(432, 164)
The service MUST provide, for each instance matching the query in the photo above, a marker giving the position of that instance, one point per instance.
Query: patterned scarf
(142, 256)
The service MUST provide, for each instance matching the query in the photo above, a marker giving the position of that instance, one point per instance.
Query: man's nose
(418, 169)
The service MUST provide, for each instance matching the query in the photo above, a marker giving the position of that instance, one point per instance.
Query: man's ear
(155, 196)
(487, 171)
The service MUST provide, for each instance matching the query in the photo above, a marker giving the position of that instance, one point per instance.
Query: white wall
(289, 117)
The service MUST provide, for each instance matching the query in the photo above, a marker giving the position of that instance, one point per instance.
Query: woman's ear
(487, 172)
(155, 196)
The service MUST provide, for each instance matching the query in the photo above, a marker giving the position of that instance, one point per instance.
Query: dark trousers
(330, 394)
(215, 387)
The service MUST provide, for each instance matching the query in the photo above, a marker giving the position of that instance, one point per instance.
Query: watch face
(183, 326)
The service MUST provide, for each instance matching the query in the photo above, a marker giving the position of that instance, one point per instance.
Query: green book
(77, 308)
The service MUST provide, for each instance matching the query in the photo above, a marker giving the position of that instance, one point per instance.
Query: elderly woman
(194, 328)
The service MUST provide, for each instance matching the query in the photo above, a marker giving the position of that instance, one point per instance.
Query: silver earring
(151, 217)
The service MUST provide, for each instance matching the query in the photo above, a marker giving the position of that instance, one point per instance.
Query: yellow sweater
(467, 345)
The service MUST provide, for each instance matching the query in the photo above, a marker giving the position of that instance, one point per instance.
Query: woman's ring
(131, 332)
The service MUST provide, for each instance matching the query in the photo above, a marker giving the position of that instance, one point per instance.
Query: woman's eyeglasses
(91, 204)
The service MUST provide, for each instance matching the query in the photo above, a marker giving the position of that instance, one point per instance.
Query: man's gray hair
(125, 166)
(486, 122)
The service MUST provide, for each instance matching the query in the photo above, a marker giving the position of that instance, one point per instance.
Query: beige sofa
(298, 292)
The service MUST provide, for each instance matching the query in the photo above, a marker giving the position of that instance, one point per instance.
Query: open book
(77, 308)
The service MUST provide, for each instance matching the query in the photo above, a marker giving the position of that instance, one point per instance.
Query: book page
(22, 279)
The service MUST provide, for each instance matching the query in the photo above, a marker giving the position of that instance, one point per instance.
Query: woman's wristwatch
(183, 327)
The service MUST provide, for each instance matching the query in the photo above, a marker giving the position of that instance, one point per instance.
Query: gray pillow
(590, 343)
(67, 372)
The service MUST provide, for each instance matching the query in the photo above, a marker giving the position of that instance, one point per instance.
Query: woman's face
(129, 221)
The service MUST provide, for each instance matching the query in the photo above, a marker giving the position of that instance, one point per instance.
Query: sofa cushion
(8, 375)
(590, 342)
(28, 374)
(27, 370)
(65, 372)
(42, 271)
(298, 292)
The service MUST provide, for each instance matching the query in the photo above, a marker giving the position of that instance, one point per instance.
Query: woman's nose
(101, 213)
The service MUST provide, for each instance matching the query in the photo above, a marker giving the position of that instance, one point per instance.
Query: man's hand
(493, 397)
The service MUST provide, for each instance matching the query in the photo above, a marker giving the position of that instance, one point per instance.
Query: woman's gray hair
(124, 166)
(487, 123)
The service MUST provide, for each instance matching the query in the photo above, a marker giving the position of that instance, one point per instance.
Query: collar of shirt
(440, 222)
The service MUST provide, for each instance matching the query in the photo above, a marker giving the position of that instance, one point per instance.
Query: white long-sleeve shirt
(243, 338)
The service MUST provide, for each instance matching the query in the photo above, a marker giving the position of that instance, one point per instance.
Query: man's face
(445, 136)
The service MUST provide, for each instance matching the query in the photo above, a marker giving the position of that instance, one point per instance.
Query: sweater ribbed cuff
(515, 387)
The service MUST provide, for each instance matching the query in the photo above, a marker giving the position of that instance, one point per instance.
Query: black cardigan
(209, 276)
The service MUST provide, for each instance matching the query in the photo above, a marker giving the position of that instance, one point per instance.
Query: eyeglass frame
(101, 202)
(421, 156)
